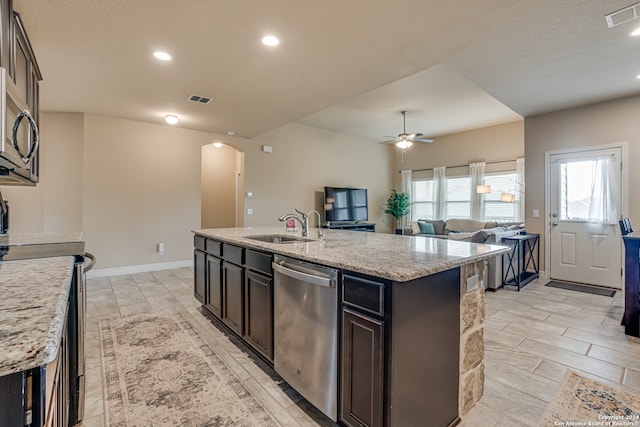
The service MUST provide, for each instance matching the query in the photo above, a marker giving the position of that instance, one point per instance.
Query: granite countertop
(389, 256)
(32, 310)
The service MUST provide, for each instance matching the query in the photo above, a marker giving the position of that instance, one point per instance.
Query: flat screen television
(345, 204)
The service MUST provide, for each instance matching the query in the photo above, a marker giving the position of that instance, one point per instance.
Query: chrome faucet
(320, 236)
(303, 219)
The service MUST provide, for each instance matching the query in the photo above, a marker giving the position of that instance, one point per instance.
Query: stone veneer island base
(411, 310)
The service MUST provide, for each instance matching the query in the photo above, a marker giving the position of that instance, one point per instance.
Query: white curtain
(476, 170)
(440, 192)
(406, 187)
(520, 188)
(604, 191)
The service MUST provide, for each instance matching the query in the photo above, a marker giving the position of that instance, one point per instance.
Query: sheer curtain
(604, 191)
(406, 187)
(476, 170)
(520, 188)
(440, 192)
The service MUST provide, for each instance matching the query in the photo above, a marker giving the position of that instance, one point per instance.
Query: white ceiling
(346, 65)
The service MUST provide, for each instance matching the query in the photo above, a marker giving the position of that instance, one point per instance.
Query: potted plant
(398, 205)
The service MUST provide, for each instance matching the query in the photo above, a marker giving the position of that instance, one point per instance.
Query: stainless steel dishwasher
(306, 331)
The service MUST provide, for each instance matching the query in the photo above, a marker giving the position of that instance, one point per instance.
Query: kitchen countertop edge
(388, 256)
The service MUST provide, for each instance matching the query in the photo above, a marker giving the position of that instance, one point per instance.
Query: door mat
(582, 288)
(581, 401)
(158, 371)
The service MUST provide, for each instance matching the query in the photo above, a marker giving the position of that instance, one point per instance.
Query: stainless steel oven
(18, 132)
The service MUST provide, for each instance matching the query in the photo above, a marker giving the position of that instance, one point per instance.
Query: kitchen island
(410, 308)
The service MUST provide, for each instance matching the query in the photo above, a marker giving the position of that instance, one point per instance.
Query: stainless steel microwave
(18, 135)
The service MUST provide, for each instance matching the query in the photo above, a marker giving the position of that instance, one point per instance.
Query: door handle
(555, 215)
(554, 223)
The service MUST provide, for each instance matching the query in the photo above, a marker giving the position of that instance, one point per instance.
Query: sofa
(474, 231)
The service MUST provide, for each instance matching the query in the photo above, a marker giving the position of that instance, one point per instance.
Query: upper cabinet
(19, 142)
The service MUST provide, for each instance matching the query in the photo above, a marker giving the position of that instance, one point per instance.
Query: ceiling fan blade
(388, 142)
(423, 140)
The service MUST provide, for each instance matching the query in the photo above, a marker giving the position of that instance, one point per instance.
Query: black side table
(523, 259)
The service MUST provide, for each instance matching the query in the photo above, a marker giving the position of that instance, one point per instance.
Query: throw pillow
(479, 236)
(426, 228)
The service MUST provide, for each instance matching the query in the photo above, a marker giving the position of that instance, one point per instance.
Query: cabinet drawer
(364, 294)
(234, 254)
(214, 247)
(199, 242)
(258, 261)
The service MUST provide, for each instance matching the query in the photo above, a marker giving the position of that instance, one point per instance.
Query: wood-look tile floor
(531, 338)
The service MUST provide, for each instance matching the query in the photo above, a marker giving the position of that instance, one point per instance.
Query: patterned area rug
(582, 401)
(158, 371)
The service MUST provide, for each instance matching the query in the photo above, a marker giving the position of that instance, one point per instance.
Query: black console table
(353, 226)
(523, 259)
(631, 285)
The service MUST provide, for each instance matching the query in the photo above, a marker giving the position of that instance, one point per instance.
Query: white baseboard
(116, 271)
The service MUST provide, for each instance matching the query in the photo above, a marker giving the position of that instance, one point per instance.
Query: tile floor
(531, 339)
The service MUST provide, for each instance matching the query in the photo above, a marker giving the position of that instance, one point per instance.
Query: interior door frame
(624, 178)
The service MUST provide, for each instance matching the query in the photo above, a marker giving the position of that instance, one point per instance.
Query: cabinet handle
(34, 130)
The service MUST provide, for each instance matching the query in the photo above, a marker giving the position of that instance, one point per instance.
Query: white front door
(585, 205)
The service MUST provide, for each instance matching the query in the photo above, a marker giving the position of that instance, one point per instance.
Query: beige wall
(495, 143)
(490, 144)
(141, 187)
(598, 124)
(220, 169)
(305, 160)
(59, 192)
(129, 185)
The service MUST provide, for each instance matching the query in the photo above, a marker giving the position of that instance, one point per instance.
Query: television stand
(350, 225)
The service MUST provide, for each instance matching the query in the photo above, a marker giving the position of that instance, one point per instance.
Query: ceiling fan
(405, 140)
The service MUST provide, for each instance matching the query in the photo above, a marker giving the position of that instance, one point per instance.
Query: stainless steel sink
(278, 238)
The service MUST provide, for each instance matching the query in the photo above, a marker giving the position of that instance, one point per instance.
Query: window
(458, 203)
(496, 209)
(423, 206)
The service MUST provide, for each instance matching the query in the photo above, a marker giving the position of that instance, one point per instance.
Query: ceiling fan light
(404, 143)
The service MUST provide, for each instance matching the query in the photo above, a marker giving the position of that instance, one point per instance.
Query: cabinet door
(214, 285)
(21, 57)
(362, 370)
(6, 13)
(200, 275)
(232, 303)
(258, 313)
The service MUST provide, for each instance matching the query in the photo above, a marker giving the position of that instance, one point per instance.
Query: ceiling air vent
(200, 99)
(623, 15)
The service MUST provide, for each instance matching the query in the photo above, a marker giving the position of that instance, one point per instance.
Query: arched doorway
(222, 186)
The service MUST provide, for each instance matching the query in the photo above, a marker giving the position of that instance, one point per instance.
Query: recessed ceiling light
(270, 41)
(635, 32)
(218, 144)
(163, 56)
(638, 77)
(172, 119)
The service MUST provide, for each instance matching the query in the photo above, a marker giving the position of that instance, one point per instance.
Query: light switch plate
(249, 211)
(536, 213)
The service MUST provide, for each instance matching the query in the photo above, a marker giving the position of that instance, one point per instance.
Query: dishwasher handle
(329, 282)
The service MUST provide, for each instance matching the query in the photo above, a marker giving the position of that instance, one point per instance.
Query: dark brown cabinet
(232, 296)
(200, 275)
(362, 369)
(398, 339)
(258, 312)
(18, 59)
(235, 284)
(213, 300)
